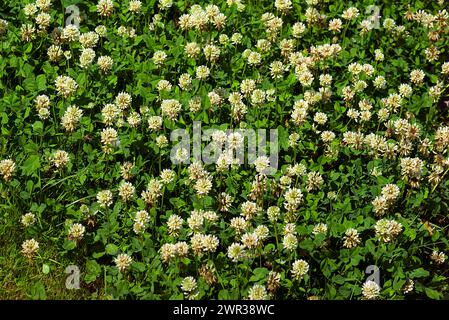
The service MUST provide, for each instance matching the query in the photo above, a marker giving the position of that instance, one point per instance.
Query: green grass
(23, 279)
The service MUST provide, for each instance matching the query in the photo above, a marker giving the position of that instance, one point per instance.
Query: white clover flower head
(370, 290)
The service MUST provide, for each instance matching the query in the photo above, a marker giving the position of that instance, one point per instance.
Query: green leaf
(433, 294)
(223, 294)
(338, 279)
(67, 3)
(83, 178)
(41, 82)
(270, 247)
(31, 165)
(45, 268)
(139, 266)
(69, 245)
(29, 84)
(177, 296)
(93, 270)
(28, 47)
(259, 274)
(136, 244)
(419, 273)
(97, 255)
(111, 249)
(306, 244)
(4, 117)
(37, 291)
(38, 127)
(332, 292)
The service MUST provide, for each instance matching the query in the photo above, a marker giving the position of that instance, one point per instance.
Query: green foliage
(369, 160)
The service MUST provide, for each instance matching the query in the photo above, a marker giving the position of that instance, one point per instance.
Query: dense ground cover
(91, 93)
